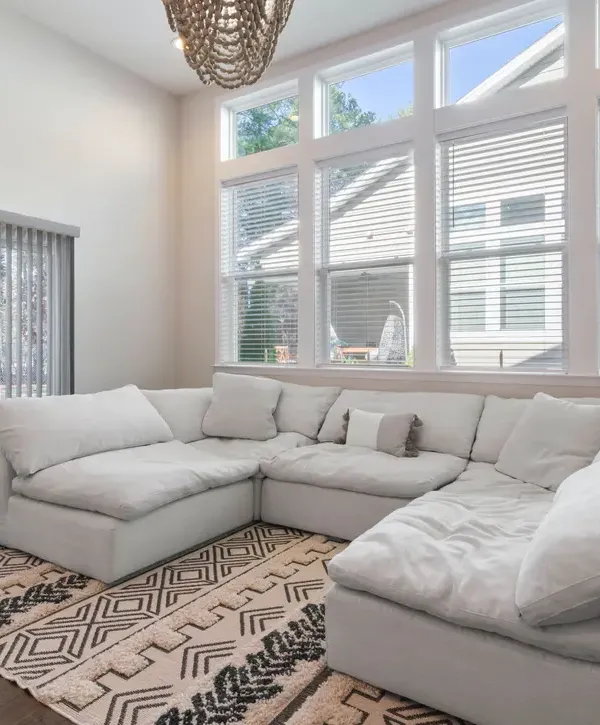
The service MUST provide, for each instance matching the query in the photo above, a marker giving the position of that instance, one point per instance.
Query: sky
(391, 89)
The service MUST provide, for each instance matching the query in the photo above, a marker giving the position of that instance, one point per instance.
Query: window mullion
(425, 50)
(306, 225)
(582, 267)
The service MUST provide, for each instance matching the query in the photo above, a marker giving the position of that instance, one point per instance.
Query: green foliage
(344, 111)
(259, 326)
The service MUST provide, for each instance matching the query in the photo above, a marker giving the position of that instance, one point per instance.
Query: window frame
(488, 26)
(324, 269)
(431, 121)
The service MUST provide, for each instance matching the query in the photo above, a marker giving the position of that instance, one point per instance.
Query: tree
(259, 330)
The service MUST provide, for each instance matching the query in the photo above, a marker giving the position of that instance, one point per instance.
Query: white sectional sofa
(424, 601)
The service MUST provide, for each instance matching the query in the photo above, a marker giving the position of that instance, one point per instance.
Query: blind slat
(365, 247)
(502, 243)
(259, 269)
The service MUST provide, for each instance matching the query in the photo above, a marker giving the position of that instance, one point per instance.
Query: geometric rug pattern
(232, 632)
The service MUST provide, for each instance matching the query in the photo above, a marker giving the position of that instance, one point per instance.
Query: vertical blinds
(502, 250)
(35, 312)
(259, 271)
(365, 248)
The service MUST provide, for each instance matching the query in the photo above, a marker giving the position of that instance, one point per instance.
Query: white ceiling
(135, 34)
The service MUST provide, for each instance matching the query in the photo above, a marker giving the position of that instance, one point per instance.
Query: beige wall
(85, 143)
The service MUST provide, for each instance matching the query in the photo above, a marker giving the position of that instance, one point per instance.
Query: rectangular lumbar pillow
(552, 440)
(393, 433)
(183, 409)
(242, 407)
(302, 408)
(559, 578)
(36, 433)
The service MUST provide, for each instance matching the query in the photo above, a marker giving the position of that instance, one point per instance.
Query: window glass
(267, 127)
(516, 58)
(259, 267)
(371, 98)
(500, 284)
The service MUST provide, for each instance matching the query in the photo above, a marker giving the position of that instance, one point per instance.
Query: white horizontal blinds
(259, 271)
(365, 250)
(502, 240)
(35, 325)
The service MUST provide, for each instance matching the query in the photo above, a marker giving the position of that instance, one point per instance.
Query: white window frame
(430, 121)
(324, 268)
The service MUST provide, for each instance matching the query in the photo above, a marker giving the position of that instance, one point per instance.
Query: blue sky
(388, 90)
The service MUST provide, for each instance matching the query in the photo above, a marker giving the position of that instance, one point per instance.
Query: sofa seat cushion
(482, 479)
(258, 451)
(129, 483)
(458, 558)
(351, 468)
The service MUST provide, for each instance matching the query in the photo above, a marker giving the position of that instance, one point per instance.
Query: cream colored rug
(230, 633)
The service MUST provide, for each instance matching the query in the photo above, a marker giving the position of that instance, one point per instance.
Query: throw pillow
(552, 440)
(559, 578)
(242, 407)
(393, 434)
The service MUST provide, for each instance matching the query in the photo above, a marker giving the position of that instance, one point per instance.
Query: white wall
(85, 143)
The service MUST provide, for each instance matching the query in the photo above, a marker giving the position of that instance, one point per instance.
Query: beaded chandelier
(228, 42)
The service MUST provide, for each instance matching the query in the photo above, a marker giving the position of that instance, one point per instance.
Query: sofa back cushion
(553, 439)
(449, 419)
(499, 417)
(36, 433)
(242, 407)
(183, 410)
(559, 578)
(302, 408)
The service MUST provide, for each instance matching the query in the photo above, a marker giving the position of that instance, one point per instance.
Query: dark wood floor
(17, 707)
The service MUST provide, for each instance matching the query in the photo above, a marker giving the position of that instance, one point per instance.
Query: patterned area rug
(230, 633)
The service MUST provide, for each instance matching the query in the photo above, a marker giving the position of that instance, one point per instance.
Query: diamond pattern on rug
(235, 626)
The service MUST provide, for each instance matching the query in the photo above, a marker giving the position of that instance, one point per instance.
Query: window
(366, 248)
(468, 215)
(478, 66)
(354, 101)
(502, 298)
(523, 210)
(259, 268)
(36, 315)
(266, 127)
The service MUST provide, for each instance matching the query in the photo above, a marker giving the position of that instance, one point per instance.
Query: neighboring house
(502, 311)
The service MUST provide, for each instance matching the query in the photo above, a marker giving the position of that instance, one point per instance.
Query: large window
(36, 314)
(502, 294)
(366, 248)
(259, 268)
(420, 208)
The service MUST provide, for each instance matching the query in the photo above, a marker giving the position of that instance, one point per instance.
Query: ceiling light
(228, 42)
(178, 42)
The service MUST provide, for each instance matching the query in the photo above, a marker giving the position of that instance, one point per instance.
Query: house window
(523, 210)
(468, 215)
(502, 301)
(259, 271)
(36, 316)
(359, 97)
(507, 52)
(266, 127)
(523, 309)
(366, 247)
(467, 311)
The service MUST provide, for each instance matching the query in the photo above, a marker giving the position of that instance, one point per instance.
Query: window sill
(330, 374)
